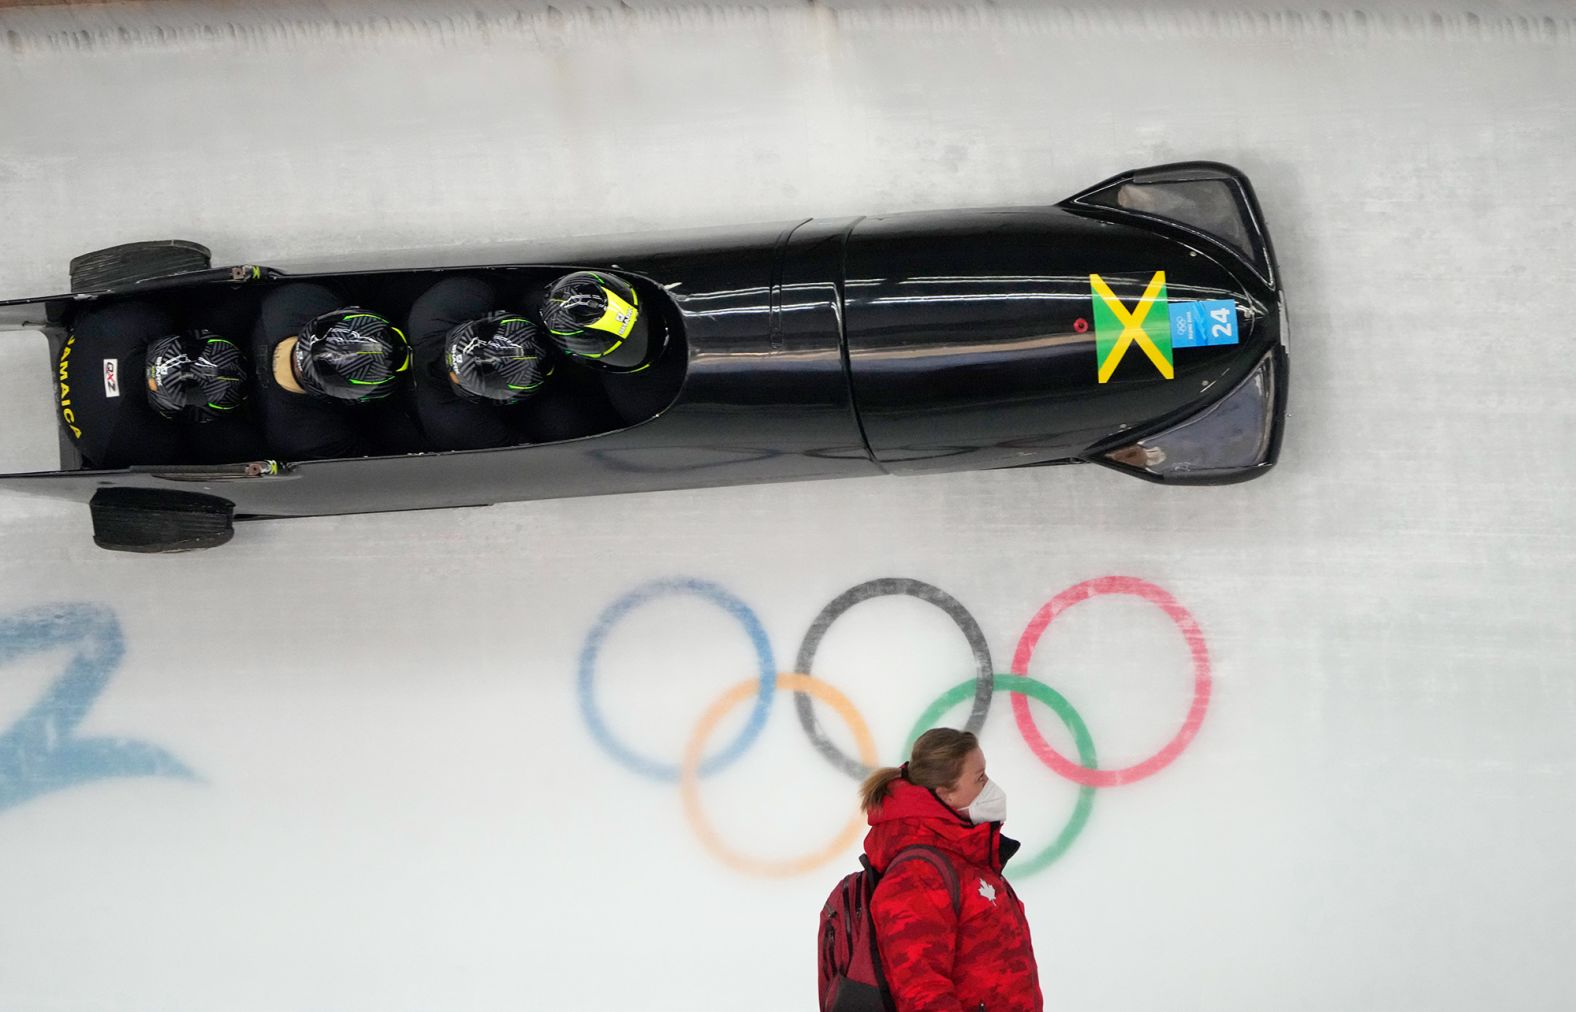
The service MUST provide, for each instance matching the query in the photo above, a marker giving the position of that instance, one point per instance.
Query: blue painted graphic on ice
(706, 591)
(39, 752)
(1201, 324)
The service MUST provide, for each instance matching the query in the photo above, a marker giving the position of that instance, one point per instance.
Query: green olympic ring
(1080, 732)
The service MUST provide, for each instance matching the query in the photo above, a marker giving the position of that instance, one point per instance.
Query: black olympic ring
(985, 674)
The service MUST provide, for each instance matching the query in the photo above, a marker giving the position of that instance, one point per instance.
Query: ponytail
(936, 761)
(877, 786)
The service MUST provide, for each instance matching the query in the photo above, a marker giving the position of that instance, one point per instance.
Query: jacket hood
(911, 815)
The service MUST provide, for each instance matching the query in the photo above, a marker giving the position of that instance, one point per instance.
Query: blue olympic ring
(717, 595)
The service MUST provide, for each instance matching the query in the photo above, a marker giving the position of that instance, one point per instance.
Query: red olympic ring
(1201, 680)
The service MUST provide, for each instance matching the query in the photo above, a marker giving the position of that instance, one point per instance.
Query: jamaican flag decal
(1117, 326)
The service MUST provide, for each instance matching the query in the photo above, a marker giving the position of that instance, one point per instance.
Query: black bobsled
(1138, 324)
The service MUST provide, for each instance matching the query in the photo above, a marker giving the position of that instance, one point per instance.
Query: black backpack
(849, 966)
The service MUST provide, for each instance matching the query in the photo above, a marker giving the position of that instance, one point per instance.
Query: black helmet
(499, 359)
(195, 376)
(350, 355)
(596, 317)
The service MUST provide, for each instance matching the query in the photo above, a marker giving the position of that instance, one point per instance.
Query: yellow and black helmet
(595, 317)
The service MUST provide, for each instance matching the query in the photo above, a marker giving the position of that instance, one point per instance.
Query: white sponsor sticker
(112, 377)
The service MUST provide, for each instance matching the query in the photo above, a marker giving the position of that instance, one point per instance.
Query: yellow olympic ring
(689, 778)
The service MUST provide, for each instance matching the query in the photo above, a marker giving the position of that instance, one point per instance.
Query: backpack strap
(937, 859)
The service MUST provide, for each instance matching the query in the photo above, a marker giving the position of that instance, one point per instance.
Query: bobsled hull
(1138, 324)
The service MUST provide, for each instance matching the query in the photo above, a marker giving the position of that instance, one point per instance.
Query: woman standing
(936, 960)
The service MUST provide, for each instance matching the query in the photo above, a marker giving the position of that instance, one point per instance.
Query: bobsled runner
(1138, 324)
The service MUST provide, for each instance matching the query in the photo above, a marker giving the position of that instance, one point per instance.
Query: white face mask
(990, 806)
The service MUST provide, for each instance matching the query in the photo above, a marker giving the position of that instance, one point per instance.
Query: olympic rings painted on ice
(885, 588)
(640, 595)
(1201, 680)
(689, 780)
(804, 685)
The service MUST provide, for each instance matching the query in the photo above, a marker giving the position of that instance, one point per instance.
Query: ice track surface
(431, 761)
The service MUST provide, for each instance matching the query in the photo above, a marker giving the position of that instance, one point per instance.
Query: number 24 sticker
(1203, 324)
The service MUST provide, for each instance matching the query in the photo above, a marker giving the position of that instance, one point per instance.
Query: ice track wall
(1303, 743)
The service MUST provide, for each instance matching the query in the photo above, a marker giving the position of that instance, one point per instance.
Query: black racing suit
(305, 427)
(571, 402)
(102, 390)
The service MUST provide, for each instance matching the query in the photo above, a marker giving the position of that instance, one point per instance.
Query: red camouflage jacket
(935, 961)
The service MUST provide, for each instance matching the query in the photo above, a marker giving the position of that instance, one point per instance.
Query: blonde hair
(936, 761)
